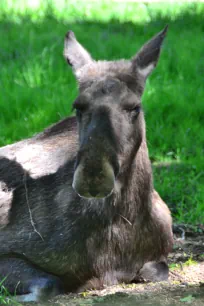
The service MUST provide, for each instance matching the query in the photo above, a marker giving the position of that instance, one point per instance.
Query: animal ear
(74, 53)
(147, 57)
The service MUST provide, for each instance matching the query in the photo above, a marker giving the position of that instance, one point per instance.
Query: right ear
(74, 53)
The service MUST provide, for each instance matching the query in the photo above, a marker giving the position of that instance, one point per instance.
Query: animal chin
(90, 193)
(88, 196)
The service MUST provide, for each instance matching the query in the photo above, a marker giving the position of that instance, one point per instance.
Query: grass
(3, 294)
(5, 297)
(188, 263)
(37, 88)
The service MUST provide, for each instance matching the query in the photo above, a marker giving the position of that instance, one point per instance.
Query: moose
(78, 209)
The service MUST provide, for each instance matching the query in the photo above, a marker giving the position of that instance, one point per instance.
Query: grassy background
(37, 88)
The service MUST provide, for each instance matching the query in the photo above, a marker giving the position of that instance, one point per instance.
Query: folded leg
(27, 282)
(154, 271)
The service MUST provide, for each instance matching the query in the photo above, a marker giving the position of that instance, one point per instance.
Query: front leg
(153, 271)
(26, 282)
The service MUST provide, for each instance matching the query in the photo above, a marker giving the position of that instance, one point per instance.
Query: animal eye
(135, 109)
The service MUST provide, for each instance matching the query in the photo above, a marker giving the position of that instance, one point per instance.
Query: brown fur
(115, 227)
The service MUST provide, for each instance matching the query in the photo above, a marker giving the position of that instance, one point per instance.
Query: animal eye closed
(136, 109)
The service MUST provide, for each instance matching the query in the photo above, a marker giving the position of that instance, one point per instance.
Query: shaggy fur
(114, 228)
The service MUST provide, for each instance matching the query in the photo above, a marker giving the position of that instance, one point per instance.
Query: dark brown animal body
(77, 204)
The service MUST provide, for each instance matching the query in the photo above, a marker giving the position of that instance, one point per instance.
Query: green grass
(3, 294)
(5, 297)
(37, 88)
(188, 263)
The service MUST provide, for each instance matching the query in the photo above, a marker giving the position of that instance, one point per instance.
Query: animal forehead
(107, 85)
(120, 85)
(104, 89)
(107, 91)
(109, 77)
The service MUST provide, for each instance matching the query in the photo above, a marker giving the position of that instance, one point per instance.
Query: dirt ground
(185, 285)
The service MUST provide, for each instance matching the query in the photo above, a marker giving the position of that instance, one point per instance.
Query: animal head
(109, 113)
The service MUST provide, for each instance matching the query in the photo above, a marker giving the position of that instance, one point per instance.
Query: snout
(92, 182)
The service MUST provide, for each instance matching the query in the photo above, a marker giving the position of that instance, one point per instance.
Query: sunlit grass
(5, 297)
(96, 10)
(37, 88)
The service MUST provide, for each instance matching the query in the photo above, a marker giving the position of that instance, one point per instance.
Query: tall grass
(37, 88)
(5, 297)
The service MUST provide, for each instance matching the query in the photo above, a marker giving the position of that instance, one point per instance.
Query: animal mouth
(98, 186)
(95, 195)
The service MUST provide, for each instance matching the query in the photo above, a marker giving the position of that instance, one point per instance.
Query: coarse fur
(77, 205)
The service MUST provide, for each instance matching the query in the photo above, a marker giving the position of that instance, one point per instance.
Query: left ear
(147, 57)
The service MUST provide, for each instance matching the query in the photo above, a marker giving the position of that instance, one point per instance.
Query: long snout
(93, 182)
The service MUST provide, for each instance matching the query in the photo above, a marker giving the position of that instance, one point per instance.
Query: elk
(78, 209)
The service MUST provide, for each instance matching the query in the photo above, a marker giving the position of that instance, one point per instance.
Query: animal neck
(134, 186)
